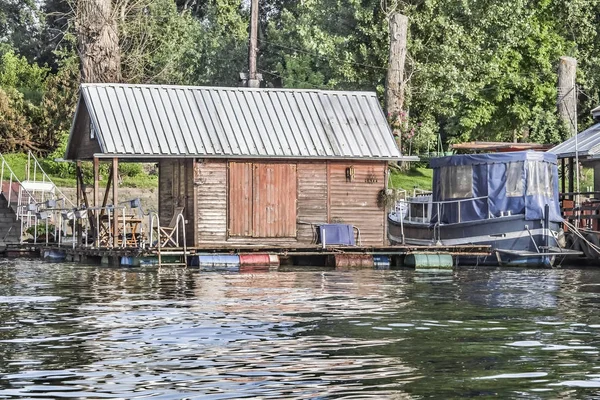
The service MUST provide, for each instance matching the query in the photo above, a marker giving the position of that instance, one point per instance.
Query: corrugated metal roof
(588, 144)
(155, 121)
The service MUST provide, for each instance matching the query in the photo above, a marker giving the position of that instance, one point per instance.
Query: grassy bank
(63, 174)
(415, 177)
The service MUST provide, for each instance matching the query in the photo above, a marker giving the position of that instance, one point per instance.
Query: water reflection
(73, 331)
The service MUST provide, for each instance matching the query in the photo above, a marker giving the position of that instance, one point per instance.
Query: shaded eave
(156, 158)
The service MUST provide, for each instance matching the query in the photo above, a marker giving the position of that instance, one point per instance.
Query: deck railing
(95, 226)
(39, 175)
(26, 204)
(427, 205)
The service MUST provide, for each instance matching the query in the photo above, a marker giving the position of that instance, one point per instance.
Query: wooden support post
(77, 172)
(96, 180)
(77, 223)
(96, 212)
(107, 190)
(571, 178)
(115, 182)
(563, 177)
(81, 185)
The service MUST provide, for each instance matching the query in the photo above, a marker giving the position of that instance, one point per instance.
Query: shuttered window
(262, 200)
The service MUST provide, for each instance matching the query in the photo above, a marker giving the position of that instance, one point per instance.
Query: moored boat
(506, 200)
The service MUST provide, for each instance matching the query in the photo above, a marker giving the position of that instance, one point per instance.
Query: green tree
(20, 27)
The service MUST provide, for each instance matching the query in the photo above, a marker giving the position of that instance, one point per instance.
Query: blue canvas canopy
(474, 187)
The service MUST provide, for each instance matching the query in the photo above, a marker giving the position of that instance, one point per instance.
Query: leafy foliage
(36, 107)
(476, 69)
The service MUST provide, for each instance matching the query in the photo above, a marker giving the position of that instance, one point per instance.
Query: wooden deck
(280, 251)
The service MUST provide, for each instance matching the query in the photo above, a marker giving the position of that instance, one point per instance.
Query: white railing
(95, 226)
(404, 211)
(26, 204)
(45, 179)
(64, 220)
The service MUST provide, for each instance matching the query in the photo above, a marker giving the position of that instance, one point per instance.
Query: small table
(131, 228)
(129, 234)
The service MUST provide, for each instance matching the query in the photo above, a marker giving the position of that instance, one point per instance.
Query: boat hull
(514, 240)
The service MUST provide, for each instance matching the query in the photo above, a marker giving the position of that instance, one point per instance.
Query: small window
(539, 178)
(457, 182)
(514, 179)
(92, 133)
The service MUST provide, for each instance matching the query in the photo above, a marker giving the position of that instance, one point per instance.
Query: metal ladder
(175, 251)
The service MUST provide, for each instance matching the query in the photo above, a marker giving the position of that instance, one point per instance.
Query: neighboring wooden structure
(584, 148)
(251, 167)
(497, 147)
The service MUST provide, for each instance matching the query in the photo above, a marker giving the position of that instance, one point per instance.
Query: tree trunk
(394, 86)
(98, 41)
(567, 97)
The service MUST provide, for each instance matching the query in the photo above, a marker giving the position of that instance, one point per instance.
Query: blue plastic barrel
(380, 261)
(126, 260)
(215, 261)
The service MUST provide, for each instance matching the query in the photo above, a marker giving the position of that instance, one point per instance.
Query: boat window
(514, 179)
(457, 182)
(550, 188)
(539, 178)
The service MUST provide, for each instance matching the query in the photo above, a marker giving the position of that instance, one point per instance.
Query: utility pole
(395, 85)
(253, 78)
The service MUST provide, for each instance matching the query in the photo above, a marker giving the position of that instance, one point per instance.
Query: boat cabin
(475, 187)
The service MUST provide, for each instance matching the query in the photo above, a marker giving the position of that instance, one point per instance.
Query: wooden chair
(168, 233)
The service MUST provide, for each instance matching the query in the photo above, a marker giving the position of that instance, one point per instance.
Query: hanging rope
(578, 233)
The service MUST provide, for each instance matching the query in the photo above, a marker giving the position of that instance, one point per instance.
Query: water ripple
(76, 331)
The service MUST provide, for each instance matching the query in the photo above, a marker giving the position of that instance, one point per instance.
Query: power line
(322, 56)
(303, 82)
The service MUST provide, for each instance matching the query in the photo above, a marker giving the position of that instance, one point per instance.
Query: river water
(83, 331)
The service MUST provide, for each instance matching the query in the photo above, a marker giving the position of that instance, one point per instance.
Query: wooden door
(240, 199)
(274, 202)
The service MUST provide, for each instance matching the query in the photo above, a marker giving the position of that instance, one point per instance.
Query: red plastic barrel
(353, 261)
(254, 259)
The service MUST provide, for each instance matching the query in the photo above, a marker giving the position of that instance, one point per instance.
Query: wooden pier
(301, 256)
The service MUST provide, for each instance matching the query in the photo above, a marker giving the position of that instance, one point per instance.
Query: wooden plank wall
(350, 202)
(165, 190)
(211, 199)
(176, 189)
(83, 147)
(312, 199)
(355, 202)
